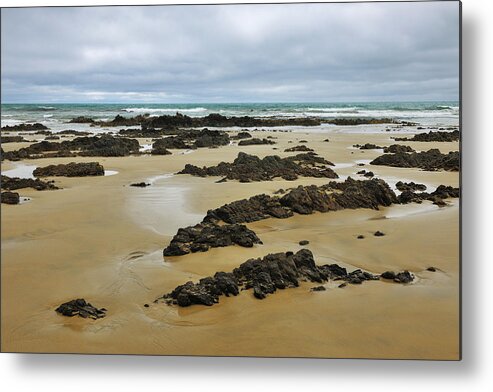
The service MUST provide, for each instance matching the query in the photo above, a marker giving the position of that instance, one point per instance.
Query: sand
(101, 240)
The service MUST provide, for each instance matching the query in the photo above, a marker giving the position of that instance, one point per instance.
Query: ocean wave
(345, 110)
(45, 108)
(47, 115)
(164, 110)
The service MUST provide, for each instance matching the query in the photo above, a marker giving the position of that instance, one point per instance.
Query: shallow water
(162, 206)
(21, 170)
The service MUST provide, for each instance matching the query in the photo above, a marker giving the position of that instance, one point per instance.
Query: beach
(100, 239)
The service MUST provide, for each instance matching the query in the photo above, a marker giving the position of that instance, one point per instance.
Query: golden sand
(101, 240)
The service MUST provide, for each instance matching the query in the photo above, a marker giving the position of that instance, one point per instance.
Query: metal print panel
(276, 180)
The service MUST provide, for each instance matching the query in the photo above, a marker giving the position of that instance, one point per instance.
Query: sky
(362, 52)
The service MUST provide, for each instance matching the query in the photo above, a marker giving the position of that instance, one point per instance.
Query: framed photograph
(262, 180)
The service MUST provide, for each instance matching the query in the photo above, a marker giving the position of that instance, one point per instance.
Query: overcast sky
(242, 53)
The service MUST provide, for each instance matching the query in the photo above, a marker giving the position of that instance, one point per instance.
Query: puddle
(21, 170)
(162, 207)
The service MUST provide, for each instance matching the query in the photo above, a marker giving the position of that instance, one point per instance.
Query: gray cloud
(242, 53)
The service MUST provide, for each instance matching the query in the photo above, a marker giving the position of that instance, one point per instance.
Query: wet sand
(101, 240)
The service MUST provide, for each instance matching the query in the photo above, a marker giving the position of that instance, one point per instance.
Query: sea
(56, 116)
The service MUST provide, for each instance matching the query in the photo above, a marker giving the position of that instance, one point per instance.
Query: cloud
(240, 53)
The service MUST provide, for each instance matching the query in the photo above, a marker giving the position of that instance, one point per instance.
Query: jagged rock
(23, 127)
(302, 200)
(410, 186)
(369, 174)
(428, 160)
(19, 183)
(10, 197)
(73, 132)
(71, 169)
(367, 146)
(81, 308)
(106, 145)
(52, 137)
(301, 148)
(12, 139)
(247, 168)
(437, 196)
(249, 210)
(242, 135)
(81, 120)
(263, 276)
(140, 184)
(205, 235)
(255, 141)
(397, 148)
(399, 277)
(431, 136)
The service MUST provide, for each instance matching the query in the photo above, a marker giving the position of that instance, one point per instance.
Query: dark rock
(410, 186)
(247, 168)
(397, 149)
(404, 277)
(427, 160)
(81, 120)
(12, 139)
(398, 277)
(71, 169)
(52, 137)
(378, 234)
(388, 275)
(434, 137)
(431, 269)
(437, 196)
(20, 183)
(24, 127)
(360, 237)
(301, 148)
(249, 210)
(368, 146)
(304, 242)
(318, 288)
(10, 197)
(369, 174)
(201, 237)
(82, 308)
(106, 145)
(140, 184)
(242, 135)
(255, 141)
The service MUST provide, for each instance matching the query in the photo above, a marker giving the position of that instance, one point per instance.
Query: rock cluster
(265, 276)
(438, 136)
(24, 127)
(246, 168)
(79, 307)
(12, 139)
(71, 169)
(205, 235)
(255, 141)
(397, 148)
(190, 140)
(105, 146)
(427, 160)
(13, 183)
(410, 186)
(301, 148)
(437, 197)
